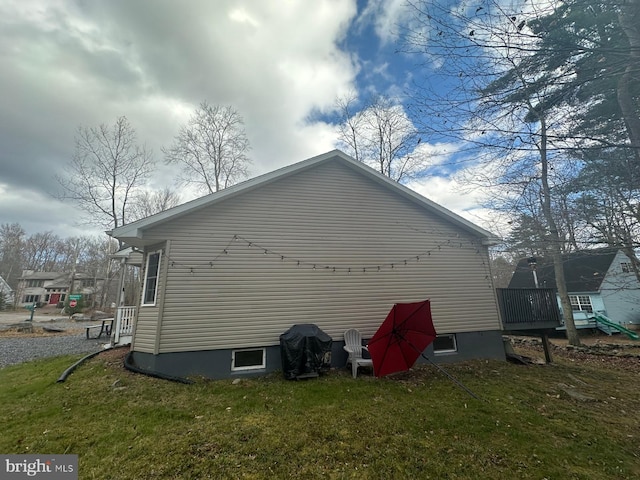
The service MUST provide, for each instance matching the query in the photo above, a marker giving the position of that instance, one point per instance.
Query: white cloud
(69, 64)
(388, 16)
(449, 193)
(38, 212)
(445, 191)
(242, 16)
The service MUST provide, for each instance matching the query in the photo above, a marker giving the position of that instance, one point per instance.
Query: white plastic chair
(353, 346)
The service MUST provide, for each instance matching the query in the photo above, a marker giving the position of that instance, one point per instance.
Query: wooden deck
(528, 309)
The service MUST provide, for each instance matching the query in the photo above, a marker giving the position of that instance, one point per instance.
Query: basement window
(445, 344)
(250, 359)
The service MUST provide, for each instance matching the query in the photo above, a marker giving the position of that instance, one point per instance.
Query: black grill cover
(305, 351)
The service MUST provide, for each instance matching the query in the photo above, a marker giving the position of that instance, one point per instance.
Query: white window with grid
(581, 303)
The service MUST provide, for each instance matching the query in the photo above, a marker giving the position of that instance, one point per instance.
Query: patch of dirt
(602, 351)
(599, 339)
(16, 323)
(38, 331)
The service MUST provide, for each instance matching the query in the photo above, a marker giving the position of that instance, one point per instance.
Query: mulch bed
(114, 355)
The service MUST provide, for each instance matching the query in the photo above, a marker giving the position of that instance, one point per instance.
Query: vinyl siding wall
(621, 293)
(148, 321)
(328, 216)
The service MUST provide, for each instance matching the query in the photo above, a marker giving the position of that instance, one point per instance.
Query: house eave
(491, 241)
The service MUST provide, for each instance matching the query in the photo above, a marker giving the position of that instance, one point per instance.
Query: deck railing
(528, 308)
(125, 317)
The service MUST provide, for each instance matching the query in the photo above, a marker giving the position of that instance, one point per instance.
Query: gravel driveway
(22, 348)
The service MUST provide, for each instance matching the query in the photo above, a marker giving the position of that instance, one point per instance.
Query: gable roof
(59, 283)
(132, 233)
(31, 275)
(583, 271)
(4, 286)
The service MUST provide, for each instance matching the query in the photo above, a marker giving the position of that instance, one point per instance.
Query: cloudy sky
(280, 64)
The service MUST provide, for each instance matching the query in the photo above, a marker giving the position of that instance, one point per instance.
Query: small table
(105, 327)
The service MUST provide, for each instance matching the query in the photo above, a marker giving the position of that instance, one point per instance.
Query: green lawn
(417, 425)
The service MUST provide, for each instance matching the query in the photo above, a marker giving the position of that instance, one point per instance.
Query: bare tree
(627, 87)
(73, 252)
(381, 135)
(149, 203)
(502, 268)
(607, 200)
(43, 252)
(211, 149)
(12, 237)
(497, 97)
(90, 256)
(107, 170)
(95, 262)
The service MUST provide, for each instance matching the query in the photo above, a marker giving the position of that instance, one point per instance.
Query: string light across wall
(237, 240)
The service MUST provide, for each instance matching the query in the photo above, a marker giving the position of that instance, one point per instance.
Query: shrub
(69, 310)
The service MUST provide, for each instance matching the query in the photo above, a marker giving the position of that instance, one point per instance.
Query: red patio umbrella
(402, 337)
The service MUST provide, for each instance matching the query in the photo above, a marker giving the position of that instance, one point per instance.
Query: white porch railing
(125, 317)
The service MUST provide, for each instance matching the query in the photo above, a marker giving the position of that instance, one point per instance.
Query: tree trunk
(556, 246)
(629, 18)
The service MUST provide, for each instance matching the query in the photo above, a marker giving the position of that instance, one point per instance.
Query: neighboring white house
(599, 280)
(7, 291)
(327, 241)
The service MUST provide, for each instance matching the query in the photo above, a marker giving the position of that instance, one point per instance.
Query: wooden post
(545, 346)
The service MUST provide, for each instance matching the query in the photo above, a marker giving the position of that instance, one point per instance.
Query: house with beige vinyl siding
(327, 241)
